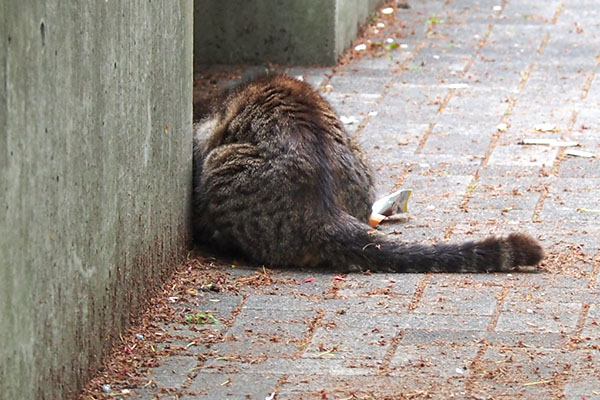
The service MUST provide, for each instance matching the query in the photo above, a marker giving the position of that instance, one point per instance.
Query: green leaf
(434, 19)
(201, 319)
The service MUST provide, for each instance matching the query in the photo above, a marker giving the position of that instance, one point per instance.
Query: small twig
(536, 383)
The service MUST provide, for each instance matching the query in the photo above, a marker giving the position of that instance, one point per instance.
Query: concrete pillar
(95, 173)
(300, 32)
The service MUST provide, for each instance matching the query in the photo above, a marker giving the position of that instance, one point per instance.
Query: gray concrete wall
(350, 14)
(300, 32)
(95, 172)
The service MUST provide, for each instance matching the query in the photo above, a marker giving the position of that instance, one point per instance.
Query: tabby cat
(277, 178)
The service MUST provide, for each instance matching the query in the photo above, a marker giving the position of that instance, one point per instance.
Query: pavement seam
(418, 295)
(595, 270)
(444, 102)
(558, 11)
(499, 305)
(451, 91)
(496, 136)
(388, 86)
(403, 67)
(545, 189)
(400, 181)
(543, 45)
(558, 383)
(480, 45)
(424, 138)
(561, 151)
(449, 230)
(539, 206)
(198, 368)
(312, 326)
(280, 382)
(238, 309)
(389, 354)
(585, 308)
(560, 380)
(476, 361)
(588, 83)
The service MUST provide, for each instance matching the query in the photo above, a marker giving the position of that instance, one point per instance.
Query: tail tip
(526, 249)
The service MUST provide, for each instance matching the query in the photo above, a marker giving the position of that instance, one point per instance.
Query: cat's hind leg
(229, 186)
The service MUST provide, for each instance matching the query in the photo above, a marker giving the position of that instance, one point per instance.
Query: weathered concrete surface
(287, 32)
(95, 159)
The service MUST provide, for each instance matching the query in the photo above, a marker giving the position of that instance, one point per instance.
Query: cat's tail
(352, 242)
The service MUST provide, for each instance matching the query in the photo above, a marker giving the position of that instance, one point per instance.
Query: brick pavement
(428, 116)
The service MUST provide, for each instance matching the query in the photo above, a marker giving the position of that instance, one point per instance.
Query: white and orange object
(391, 204)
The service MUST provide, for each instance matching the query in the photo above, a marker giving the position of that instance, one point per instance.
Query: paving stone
(362, 306)
(528, 340)
(457, 301)
(314, 76)
(392, 285)
(590, 334)
(303, 283)
(231, 386)
(520, 373)
(324, 366)
(220, 305)
(578, 388)
(387, 140)
(534, 281)
(433, 361)
(416, 101)
(269, 302)
(173, 371)
(507, 198)
(517, 155)
(528, 310)
(566, 202)
(355, 107)
(191, 331)
(523, 125)
(465, 282)
(484, 72)
(575, 167)
(456, 322)
(360, 342)
(395, 59)
(481, 104)
(419, 228)
(149, 393)
(361, 81)
(440, 337)
(257, 332)
(184, 347)
(583, 381)
(432, 199)
(545, 10)
(538, 322)
(477, 229)
(414, 385)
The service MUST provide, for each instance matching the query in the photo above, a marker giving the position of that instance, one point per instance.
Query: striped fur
(277, 179)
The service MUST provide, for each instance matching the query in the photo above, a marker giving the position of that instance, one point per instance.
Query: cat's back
(276, 105)
(277, 93)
